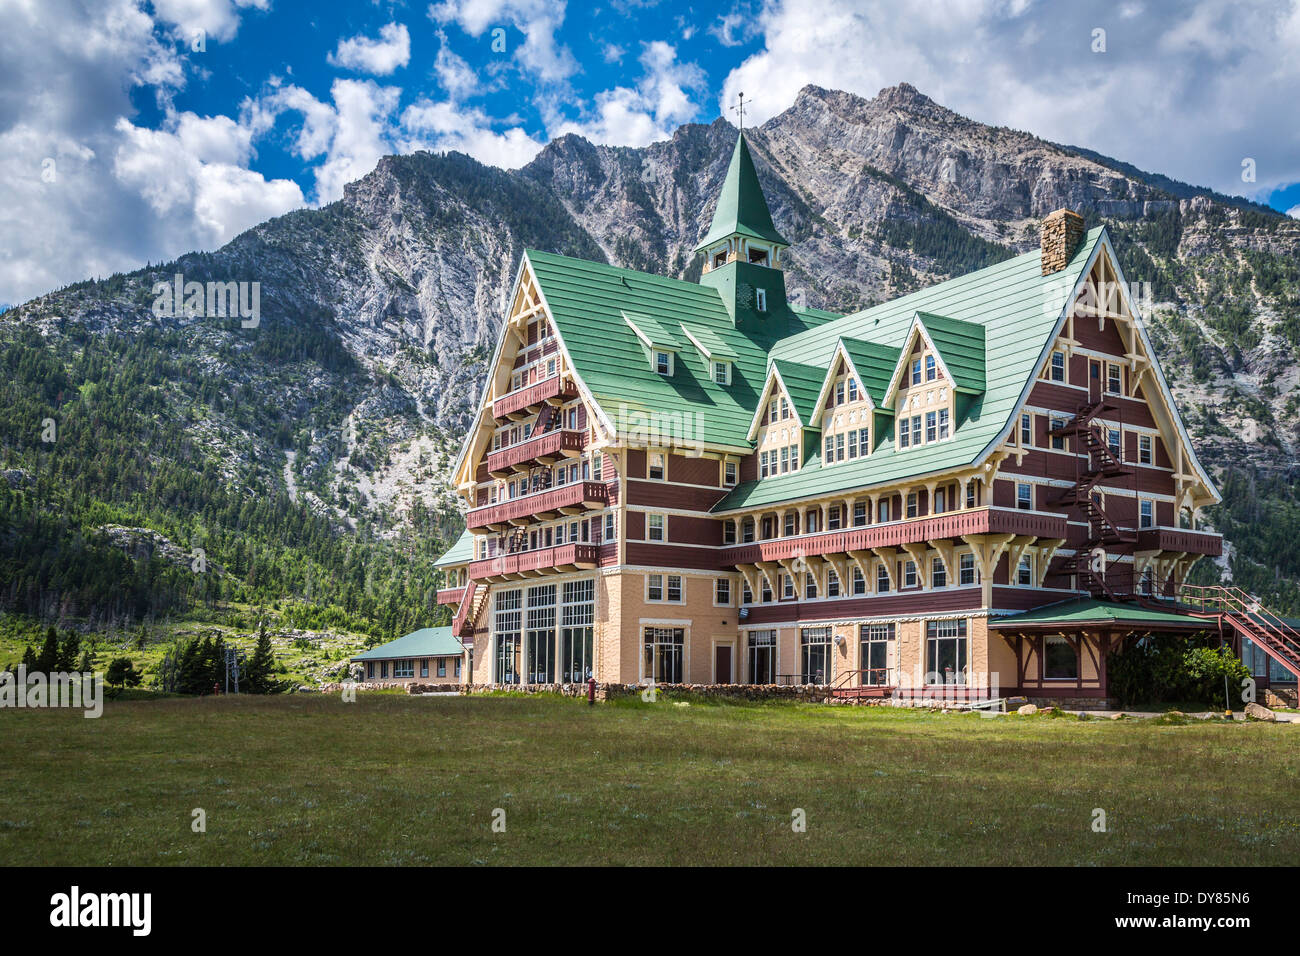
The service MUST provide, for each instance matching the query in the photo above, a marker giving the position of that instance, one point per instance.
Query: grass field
(395, 780)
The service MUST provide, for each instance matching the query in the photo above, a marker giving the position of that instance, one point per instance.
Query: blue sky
(121, 143)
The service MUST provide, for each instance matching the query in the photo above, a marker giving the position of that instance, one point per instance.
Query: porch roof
(1082, 612)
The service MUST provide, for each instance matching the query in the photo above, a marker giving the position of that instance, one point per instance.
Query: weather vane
(739, 110)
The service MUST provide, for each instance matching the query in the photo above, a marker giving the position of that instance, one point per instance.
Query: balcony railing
(451, 595)
(543, 559)
(1180, 539)
(547, 445)
(580, 494)
(555, 387)
(894, 533)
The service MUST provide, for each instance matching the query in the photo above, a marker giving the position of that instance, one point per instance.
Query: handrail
(1229, 600)
(843, 681)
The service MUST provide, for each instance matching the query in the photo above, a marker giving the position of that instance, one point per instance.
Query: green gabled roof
(960, 345)
(587, 300)
(741, 210)
(804, 384)
(1018, 308)
(713, 342)
(426, 642)
(874, 364)
(1082, 611)
(659, 336)
(462, 552)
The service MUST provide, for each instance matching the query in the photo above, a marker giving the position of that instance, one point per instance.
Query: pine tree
(259, 673)
(29, 659)
(47, 660)
(68, 652)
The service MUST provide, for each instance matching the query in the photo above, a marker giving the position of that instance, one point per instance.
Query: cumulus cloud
(378, 56)
(218, 19)
(1294, 212)
(541, 55)
(86, 192)
(1189, 89)
(634, 116)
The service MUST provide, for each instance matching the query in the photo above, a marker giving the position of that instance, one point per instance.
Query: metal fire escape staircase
(1095, 462)
(1250, 619)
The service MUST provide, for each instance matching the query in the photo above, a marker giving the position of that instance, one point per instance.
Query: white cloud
(453, 73)
(636, 116)
(445, 126)
(380, 57)
(86, 192)
(1187, 91)
(540, 55)
(218, 19)
(1294, 212)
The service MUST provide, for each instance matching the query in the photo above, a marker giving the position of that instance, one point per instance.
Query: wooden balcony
(555, 390)
(562, 499)
(892, 534)
(1180, 539)
(564, 557)
(544, 449)
(451, 595)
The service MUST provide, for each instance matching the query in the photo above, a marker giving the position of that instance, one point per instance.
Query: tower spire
(742, 211)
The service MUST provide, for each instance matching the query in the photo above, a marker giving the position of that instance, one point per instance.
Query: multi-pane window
(930, 427)
(655, 524)
(913, 508)
(1026, 430)
(815, 655)
(730, 473)
(746, 593)
(728, 532)
(859, 582)
(540, 637)
(909, 574)
(576, 635)
(916, 371)
(787, 586)
(1058, 441)
(761, 649)
(663, 654)
(882, 579)
(943, 424)
(859, 513)
(720, 373)
(938, 573)
(658, 465)
(1144, 449)
(722, 592)
(762, 464)
(809, 585)
(654, 587)
(675, 588)
(1057, 373)
(1024, 496)
(403, 668)
(1114, 378)
(663, 363)
(609, 526)
(945, 652)
(506, 626)
(916, 429)
(875, 640)
(1146, 513)
(832, 583)
(966, 569)
(1025, 571)
(1113, 440)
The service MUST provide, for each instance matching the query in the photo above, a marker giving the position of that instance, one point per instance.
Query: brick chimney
(1060, 235)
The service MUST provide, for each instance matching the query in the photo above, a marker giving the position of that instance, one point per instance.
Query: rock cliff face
(379, 311)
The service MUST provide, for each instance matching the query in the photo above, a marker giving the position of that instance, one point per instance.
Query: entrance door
(722, 663)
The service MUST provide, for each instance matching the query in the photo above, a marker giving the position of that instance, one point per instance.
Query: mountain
(307, 454)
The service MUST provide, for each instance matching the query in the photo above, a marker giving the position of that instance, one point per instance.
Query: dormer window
(930, 370)
(664, 363)
(758, 257)
(761, 299)
(916, 371)
(722, 373)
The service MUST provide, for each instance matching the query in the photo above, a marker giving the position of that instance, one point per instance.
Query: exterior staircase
(1244, 613)
(470, 604)
(1094, 462)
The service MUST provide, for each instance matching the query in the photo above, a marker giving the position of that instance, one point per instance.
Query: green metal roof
(741, 210)
(960, 345)
(711, 341)
(1017, 307)
(587, 301)
(1083, 611)
(426, 642)
(804, 384)
(874, 364)
(462, 552)
(659, 336)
